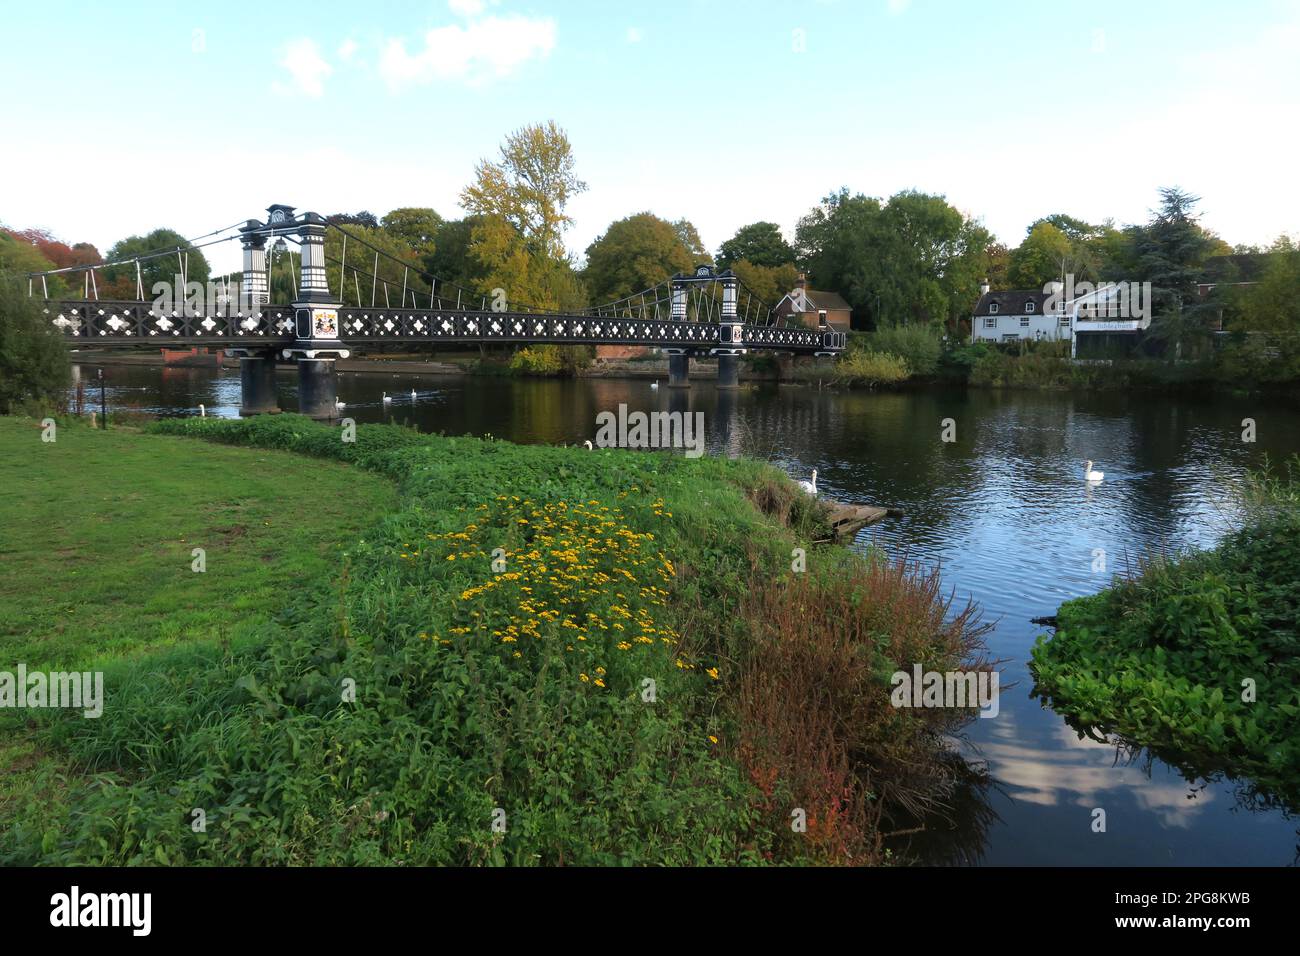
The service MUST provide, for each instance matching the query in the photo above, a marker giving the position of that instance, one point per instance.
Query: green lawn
(97, 531)
(96, 534)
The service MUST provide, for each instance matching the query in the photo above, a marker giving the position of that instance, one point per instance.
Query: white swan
(387, 398)
(810, 487)
(338, 404)
(1090, 475)
(589, 446)
(412, 394)
(654, 384)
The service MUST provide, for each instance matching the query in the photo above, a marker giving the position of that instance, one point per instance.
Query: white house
(1019, 314)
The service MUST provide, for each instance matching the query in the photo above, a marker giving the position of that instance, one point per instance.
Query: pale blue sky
(193, 116)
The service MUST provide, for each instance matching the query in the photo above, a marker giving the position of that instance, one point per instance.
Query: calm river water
(1003, 511)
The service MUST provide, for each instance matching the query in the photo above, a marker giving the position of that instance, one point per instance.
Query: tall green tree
(634, 254)
(119, 282)
(1169, 251)
(760, 243)
(913, 259)
(416, 226)
(1044, 255)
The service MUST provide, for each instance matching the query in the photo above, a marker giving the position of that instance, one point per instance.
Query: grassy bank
(1198, 656)
(97, 531)
(539, 656)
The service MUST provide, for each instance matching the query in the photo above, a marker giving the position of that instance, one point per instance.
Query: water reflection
(1004, 511)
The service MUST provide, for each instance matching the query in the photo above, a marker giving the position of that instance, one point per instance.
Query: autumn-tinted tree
(363, 218)
(760, 243)
(521, 201)
(634, 254)
(1043, 256)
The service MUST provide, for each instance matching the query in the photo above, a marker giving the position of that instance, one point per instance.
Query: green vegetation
(96, 541)
(1198, 656)
(521, 685)
(33, 355)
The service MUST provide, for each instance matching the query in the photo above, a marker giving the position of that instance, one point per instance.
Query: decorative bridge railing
(132, 324)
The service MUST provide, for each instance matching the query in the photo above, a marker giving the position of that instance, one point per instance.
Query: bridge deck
(130, 324)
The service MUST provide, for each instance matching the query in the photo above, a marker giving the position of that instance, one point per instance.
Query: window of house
(993, 307)
(1029, 307)
(990, 323)
(1024, 321)
(1065, 320)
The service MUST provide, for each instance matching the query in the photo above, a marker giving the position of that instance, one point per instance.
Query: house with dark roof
(814, 308)
(1017, 314)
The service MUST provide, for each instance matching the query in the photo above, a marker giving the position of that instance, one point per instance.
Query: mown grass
(534, 659)
(1196, 656)
(96, 534)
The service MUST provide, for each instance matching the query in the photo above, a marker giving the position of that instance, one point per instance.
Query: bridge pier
(728, 370)
(318, 388)
(257, 384)
(679, 370)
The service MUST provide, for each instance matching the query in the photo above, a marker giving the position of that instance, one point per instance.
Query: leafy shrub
(870, 368)
(34, 367)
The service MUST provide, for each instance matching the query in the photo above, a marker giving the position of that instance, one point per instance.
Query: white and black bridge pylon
(317, 327)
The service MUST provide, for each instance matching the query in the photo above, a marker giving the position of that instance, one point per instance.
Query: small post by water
(103, 406)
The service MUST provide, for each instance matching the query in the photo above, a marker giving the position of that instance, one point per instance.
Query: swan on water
(412, 394)
(810, 487)
(387, 398)
(1091, 475)
(339, 404)
(655, 383)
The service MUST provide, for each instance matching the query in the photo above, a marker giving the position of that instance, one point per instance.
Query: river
(1003, 510)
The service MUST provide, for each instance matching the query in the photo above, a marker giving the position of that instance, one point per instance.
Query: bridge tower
(731, 335)
(316, 344)
(256, 366)
(679, 360)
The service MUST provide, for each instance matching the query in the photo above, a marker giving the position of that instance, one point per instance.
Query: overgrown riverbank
(542, 656)
(1196, 657)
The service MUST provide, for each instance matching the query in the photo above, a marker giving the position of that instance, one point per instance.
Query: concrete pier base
(728, 371)
(257, 384)
(318, 388)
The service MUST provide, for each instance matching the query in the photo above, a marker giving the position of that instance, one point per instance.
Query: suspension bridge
(704, 312)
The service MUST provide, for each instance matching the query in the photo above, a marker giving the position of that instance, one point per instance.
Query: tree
(690, 237)
(912, 259)
(451, 259)
(1267, 346)
(1043, 256)
(520, 200)
(33, 354)
(768, 283)
(999, 271)
(529, 187)
(416, 226)
(634, 254)
(120, 281)
(363, 218)
(760, 243)
(1170, 252)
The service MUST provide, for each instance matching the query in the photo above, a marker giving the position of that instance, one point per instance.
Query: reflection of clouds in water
(1082, 772)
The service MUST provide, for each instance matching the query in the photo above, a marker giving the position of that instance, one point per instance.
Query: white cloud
(633, 35)
(347, 48)
(306, 66)
(492, 47)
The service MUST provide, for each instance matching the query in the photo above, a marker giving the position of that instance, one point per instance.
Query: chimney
(802, 281)
(984, 287)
